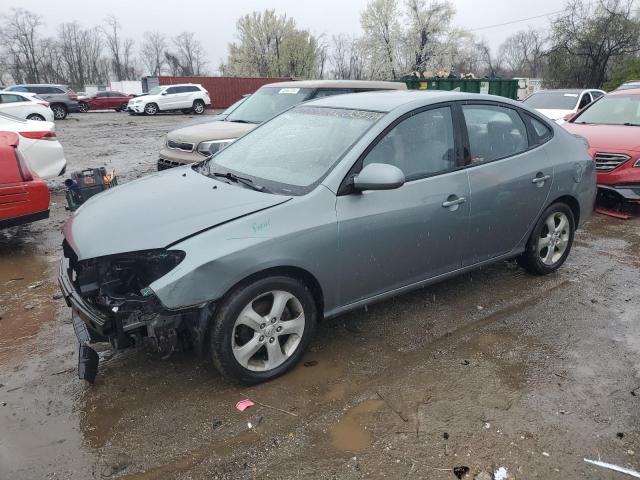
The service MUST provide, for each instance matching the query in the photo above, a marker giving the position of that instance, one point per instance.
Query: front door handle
(453, 201)
(541, 179)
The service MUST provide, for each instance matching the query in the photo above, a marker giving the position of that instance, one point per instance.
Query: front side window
(612, 110)
(295, 149)
(171, 90)
(494, 132)
(267, 102)
(421, 145)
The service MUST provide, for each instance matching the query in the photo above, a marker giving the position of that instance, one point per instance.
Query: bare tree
(153, 51)
(189, 54)
(80, 52)
(588, 38)
(22, 45)
(490, 65)
(523, 53)
(121, 49)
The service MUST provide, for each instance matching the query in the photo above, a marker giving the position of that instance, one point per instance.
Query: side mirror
(568, 117)
(378, 176)
(164, 93)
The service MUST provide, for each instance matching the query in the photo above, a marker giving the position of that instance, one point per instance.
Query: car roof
(181, 85)
(568, 90)
(40, 85)
(628, 91)
(388, 101)
(339, 84)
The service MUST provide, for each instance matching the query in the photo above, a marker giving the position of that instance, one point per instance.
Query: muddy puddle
(351, 433)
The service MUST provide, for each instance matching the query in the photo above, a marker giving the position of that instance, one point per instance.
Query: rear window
(553, 100)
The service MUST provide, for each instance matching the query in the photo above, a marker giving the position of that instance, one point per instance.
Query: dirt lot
(496, 368)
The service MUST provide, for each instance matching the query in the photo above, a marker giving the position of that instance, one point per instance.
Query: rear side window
(420, 145)
(10, 98)
(42, 90)
(541, 132)
(191, 89)
(494, 132)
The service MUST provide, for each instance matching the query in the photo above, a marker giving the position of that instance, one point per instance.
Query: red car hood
(607, 137)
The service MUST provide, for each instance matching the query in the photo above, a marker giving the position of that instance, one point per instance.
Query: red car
(611, 125)
(105, 101)
(24, 197)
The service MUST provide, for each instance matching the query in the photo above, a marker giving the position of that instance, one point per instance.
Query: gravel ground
(492, 369)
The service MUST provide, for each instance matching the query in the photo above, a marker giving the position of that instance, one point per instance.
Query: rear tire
(151, 109)
(550, 242)
(36, 116)
(275, 338)
(59, 111)
(198, 107)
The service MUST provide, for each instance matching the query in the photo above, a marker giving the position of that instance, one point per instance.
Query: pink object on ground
(242, 405)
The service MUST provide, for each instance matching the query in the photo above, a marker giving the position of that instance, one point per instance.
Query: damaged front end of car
(111, 300)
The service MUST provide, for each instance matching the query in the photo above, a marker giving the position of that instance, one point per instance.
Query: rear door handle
(541, 179)
(453, 201)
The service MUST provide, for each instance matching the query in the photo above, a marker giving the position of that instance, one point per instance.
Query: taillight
(46, 104)
(47, 135)
(23, 166)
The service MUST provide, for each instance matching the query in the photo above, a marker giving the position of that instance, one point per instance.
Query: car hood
(554, 114)
(157, 211)
(609, 137)
(210, 131)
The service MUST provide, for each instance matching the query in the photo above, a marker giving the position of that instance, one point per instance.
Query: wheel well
(573, 204)
(58, 104)
(298, 273)
(197, 100)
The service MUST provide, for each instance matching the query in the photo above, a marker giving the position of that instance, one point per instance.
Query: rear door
(510, 177)
(394, 238)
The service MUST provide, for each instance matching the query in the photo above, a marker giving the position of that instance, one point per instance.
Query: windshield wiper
(242, 121)
(235, 178)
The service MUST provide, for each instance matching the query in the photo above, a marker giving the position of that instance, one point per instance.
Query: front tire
(59, 111)
(261, 330)
(84, 107)
(151, 109)
(198, 107)
(550, 242)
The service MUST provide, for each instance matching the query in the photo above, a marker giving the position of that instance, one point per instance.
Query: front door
(390, 239)
(510, 176)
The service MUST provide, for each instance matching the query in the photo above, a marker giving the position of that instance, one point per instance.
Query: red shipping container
(224, 91)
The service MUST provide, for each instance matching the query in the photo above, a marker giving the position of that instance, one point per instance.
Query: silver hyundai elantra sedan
(330, 206)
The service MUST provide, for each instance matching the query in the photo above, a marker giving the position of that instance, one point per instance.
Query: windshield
(154, 91)
(234, 106)
(613, 110)
(267, 102)
(553, 100)
(296, 148)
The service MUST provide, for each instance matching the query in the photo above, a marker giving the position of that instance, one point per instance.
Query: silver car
(330, 206)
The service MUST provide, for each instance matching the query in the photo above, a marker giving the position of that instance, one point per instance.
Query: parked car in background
(105, 101)
(631, 84)
(38, 144)
(62, 100)
(558, 104)
(194, 143)
(330, 206)
(185, 97)
(612, 128)
(24, 197)
(25, 105)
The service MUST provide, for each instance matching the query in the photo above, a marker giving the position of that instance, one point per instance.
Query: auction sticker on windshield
(289, 90)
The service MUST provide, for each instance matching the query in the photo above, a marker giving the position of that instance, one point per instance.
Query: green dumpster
(502, 88)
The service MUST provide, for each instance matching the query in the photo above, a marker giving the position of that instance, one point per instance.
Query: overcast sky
(214, 21)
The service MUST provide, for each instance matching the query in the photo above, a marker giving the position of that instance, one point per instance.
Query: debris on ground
(445, 435)
(620, 435)
(216, 423)
(35, 285)
(613, 467)
(242, 405)
(311, 363)
(613, 213)
(500, 474)
(545, 454)
(460, 471)
(263, 405)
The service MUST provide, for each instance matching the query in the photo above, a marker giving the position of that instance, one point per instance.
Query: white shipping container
(129, 87)
(528, 86)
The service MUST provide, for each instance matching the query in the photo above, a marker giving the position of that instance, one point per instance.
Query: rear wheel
(84, 107)
(122, 108)
(550, 242)
(198, 107)
(151, 109)
(36, 116)
(59, 111)
(261, 330)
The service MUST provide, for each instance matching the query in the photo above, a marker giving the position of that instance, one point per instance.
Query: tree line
(79, 56)
(592, 43)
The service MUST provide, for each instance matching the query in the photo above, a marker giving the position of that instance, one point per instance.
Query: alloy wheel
(198, 108)
(268, 331)
(59, 113)
(554, 238)
(36, 117)
(150, 109)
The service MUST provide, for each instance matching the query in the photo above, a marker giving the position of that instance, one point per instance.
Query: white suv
(187, 97)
